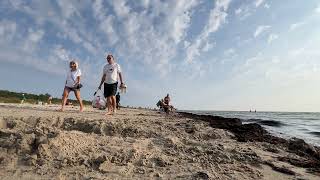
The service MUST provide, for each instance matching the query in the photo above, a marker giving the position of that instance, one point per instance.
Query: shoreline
(292, 127)
(38, 142)
(254, 132)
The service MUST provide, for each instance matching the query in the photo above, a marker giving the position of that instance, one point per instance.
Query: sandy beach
(37, 142)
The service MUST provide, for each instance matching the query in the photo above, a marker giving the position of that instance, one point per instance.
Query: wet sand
(36, 142)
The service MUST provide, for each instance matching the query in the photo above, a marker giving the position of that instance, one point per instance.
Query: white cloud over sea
(195, 50)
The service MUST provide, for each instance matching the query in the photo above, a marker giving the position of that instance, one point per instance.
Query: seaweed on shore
(310, 155)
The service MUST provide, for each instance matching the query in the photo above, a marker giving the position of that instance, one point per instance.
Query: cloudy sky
(207, 54)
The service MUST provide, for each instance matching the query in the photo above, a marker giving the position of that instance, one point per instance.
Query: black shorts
(110, 89)
(71, 89)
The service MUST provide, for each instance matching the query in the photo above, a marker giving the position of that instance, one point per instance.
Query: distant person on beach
(111, 72)
(72, 84)
(118, 100)
(49, 100)
(23, 98)
(166, 102)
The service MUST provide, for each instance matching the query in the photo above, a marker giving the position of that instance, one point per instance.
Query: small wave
(303, 129)
(253, 120)
(315, 133)
(272, 123)
(312, 119)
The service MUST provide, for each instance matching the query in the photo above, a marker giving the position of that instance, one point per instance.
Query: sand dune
(36, 142)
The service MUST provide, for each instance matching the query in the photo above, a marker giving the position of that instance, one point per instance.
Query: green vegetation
(14, 97)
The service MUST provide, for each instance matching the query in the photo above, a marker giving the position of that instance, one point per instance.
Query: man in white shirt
(111, 72)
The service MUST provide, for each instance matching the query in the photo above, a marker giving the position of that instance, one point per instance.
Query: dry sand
(36, 142)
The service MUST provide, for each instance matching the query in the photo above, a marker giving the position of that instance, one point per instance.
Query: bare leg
(64, 98)
(109, 106)
(113, 103)
(77, 94)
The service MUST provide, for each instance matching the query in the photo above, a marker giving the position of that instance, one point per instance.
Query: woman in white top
(72, 84)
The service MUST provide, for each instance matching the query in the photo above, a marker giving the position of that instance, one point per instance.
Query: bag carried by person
(99, 102)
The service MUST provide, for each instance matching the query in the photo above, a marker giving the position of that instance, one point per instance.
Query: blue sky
(209, 55)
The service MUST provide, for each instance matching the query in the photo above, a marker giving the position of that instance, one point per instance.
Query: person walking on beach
(72, 84)
(50, 100)
(118, 100)
(23, 98)
(111, 72)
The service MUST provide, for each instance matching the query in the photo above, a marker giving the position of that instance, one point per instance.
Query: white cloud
(272, 37)
(62, 54)
(68, 8)
(253, 60)
(107, 26)
(247, 9)
(98, 9)
(261, 29)
(7, 30)
(154, 44)
(217, 17)
(267, 6)
(238, 11)
(186, 44)
(258, 2)
(297, 52)
(296, 26)
(244, 12)
(207, 47)
(317, 10)
(182, 20)
(35, 36)
(145, 3)
(31, 42)
(121, 8)
(229, 52)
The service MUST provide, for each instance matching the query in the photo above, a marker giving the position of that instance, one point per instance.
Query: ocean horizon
(303, 125)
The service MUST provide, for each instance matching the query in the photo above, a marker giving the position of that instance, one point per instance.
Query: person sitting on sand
(167, 100)
(118, 100)
(111, 72)
(72, 84)
(166, 105)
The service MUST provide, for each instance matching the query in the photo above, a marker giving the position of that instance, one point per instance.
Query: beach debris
(282, 169)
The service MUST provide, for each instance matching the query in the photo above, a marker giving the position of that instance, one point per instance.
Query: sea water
(303, 125)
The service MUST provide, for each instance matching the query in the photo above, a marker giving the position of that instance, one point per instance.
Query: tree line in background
(14, 97)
